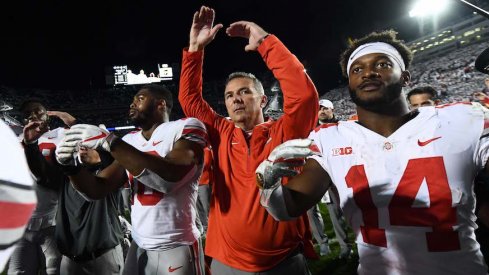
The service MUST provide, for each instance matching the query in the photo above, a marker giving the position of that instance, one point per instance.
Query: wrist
(32, 142)
(263, 38)
(194, 47)
(111, 141)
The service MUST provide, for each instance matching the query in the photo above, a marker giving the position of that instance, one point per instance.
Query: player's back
(409, 196)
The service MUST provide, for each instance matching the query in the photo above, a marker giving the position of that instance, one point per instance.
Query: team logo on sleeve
(342, 151)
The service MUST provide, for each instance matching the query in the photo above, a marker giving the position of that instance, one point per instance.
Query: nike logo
(424, 143)
(102, 135)
(234, 143)
(51, 137)
(156, 143)
(170, 269)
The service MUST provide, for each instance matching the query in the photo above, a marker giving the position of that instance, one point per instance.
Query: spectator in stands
(421, 97)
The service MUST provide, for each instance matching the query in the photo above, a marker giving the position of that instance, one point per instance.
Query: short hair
(27, 102)
(422, 90)
(386, 36)
(161, 92)
(256, 81)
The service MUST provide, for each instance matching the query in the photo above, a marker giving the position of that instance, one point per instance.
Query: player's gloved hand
(282, 161)
(65, 152)
(90, 136)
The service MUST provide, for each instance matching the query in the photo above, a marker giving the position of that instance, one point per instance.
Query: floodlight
(424, 8)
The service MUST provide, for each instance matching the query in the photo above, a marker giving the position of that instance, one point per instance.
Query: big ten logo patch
(342, 151)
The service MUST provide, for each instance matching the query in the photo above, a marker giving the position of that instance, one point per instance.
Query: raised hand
(33, 131)
(67, 119)
(254, 33)
(202, 31)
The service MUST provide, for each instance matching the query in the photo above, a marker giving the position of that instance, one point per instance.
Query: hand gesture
(249, 30)
(33, 131)
(67, 119)
(202, 32)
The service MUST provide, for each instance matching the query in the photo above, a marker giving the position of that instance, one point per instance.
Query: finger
(293, 152)
(290, 163)
(53, 113)
(283, 172)
(215, 29)
(65, 150)
(33, 124)
(196, 17)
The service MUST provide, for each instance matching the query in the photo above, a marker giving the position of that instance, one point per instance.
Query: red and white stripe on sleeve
(194, 130)
(17, 195)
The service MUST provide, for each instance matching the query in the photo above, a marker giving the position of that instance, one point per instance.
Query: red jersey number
(440, 215)
(146, 195)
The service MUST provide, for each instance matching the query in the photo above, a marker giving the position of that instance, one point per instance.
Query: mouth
(239, 109)
(370, 86)
(132, 113)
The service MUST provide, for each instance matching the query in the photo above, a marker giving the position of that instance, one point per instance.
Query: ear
(405, 78)
(264, 100)
(161, 104)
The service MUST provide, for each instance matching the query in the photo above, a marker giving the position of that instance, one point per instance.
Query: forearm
(47, 174)
(190, 88)
(92, 186)
(171, 169)
(300, 94)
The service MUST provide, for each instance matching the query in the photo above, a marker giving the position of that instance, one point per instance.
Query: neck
(147, 130)
(249, 124)
(386, 120)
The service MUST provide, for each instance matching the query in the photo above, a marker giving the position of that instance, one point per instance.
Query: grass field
(330, 264)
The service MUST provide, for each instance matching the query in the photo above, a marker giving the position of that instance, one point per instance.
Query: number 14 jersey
(409, 197)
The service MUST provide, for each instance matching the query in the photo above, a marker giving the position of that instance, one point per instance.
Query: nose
(237, 98)
(132, 105)
(370, 73)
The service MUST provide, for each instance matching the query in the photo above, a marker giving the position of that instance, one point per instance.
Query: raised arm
(300, 95)
(202, 33)
(47, 174)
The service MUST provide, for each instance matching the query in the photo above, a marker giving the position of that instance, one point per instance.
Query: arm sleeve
(190, 93)
(47, 174)
(320, 158)
(300, 95)
(17, 196)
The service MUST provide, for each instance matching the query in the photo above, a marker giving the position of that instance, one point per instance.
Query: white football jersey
(17, 196)
(45, 213)
(409, 197)
(163, 221)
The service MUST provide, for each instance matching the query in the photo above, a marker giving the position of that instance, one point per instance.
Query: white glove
(282, 161)
(66, 152)
(89, 136)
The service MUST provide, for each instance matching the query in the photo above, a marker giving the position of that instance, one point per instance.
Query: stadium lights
(424, 8)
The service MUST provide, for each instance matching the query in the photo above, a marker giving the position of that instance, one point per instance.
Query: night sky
(69, 44)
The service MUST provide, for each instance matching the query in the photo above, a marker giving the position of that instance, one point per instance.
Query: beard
(141, 117)
(390, 94)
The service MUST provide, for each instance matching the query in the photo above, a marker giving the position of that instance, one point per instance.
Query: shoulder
(331, 126)
(130, 135)
(191, 122)
(462, 112)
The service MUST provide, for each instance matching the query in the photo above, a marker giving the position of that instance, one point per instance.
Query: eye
(384, 65)
(356, 70)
